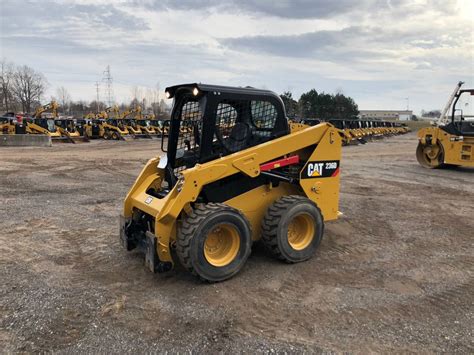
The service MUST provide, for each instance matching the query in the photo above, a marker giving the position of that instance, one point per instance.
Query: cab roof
(205, 88)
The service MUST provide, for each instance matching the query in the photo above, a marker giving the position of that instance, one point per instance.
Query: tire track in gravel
(268, 319)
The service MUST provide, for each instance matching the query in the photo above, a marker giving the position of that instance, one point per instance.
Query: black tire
(115, 136)
(193, 236)
(275, 228)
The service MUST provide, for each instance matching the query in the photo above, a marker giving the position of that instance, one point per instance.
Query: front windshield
(147, 123)
(51, 126)
(464, 109)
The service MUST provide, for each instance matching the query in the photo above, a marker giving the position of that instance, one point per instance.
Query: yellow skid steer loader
(238, 174)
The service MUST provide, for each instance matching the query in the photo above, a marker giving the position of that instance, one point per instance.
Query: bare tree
(6, 76)
(64, 99)
(28, 86)
(155, 99)
(137, 93)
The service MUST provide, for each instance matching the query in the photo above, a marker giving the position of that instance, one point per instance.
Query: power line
(97, 90)
(107, 79)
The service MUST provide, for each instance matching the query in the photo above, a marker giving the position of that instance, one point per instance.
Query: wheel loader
(451, 141)
(229, 182)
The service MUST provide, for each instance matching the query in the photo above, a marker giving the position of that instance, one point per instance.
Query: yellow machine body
(321, 143)
(444, 148)
(33, 127)
(451, 141)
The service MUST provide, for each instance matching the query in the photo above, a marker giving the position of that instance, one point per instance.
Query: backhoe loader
(451, 141)
(43, 125)
(229, 182)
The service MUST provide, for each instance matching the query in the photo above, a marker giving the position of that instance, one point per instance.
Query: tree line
(320, 105)
(24, 89)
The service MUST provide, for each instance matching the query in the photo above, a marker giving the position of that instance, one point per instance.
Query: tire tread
(271, 220)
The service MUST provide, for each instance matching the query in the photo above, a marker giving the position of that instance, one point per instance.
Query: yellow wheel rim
(429, 155)
(301, 231)
(221, 245)
(431, 151)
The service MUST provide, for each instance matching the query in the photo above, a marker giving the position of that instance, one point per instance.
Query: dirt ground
(393, 274)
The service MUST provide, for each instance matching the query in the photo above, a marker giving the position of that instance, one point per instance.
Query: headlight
(195, 91)
(163, 162)
(167, 94)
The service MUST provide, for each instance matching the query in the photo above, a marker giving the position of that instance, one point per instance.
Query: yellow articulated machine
(237, 175)
(451, 142)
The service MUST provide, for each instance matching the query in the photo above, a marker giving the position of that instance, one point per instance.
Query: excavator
(451, 140)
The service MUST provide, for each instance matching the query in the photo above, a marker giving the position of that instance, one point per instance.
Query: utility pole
(97, 91)
(107, 79)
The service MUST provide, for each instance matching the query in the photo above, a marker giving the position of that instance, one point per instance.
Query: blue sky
(378, 51)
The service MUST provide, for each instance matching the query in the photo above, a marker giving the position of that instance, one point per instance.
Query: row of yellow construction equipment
(355, 132)
(119, 126)
(131, 123)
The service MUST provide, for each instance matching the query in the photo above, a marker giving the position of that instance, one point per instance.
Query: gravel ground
(393, 274)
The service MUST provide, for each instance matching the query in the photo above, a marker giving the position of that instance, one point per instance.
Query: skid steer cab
(235, 175)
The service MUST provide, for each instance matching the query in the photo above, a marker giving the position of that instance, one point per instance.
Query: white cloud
(378, 51)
